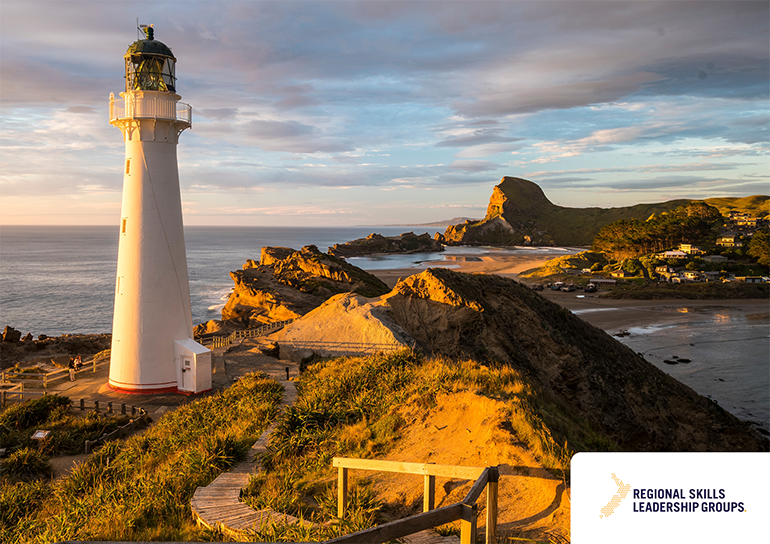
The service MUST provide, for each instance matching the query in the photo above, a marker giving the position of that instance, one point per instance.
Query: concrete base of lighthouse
(193, 368)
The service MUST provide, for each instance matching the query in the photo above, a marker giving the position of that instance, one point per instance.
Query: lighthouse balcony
(161, 106)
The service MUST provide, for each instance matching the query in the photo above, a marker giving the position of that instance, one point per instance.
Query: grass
(25, 464)
(51, 412)
(351, 407)
(140, 489)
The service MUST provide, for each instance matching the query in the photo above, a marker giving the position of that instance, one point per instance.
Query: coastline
(610, 315)
(726, 339)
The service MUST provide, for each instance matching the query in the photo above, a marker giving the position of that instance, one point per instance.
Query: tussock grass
(140, 489)
(352, 407)
(51, 412)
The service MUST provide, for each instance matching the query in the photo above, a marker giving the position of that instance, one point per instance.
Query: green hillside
(534, 219)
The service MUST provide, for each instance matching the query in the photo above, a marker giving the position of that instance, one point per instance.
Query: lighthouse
(153, 350)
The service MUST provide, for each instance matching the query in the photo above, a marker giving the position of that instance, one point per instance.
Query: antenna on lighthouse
(144, 32)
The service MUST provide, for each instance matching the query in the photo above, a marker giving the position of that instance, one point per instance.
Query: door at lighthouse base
(187, 374)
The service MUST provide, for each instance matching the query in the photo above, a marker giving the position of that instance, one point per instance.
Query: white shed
(193, 366)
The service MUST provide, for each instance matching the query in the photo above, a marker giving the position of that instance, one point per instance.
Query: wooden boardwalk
(218, 505)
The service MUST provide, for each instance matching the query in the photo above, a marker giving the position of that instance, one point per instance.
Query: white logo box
(669, 497)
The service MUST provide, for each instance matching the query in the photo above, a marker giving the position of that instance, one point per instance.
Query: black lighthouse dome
(150, 65)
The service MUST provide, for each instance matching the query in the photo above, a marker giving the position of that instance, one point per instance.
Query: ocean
(728, 349)
(61, 280)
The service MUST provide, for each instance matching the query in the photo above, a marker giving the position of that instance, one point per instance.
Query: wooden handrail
(430, 469)
(465, 511)
(403, 527)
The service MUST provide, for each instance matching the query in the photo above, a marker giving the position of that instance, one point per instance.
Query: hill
(592, 376)
(519, 213)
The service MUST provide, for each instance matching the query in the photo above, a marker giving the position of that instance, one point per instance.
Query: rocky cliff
(519, 213)
(593, 377)
(286, 284)
(408, 242)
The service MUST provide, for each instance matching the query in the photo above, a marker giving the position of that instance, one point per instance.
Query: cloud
(218, 114)
(292, 136)
(474, 166)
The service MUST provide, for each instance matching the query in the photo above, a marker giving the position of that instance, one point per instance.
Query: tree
(693, 223)
(759, 248)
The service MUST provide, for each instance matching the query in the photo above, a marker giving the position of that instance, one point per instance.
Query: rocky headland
(287, 284)
(495, 320)
(519, 213)
(408, 242)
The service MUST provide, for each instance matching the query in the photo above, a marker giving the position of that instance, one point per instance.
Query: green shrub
(24, 465)
(32, 412)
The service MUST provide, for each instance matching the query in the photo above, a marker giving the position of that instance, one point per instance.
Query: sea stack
(153, 350)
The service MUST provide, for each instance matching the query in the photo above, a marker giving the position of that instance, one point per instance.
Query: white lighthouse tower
(152, 346)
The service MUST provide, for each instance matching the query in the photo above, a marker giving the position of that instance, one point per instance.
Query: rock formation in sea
(495, 320)
(408, 242)
(287, 284)
(519, 213)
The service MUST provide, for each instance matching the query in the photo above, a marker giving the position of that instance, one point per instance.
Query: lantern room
(150, 65)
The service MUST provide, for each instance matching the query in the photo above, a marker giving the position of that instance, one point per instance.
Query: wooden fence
(137, 412)
(120, 432)
(466, 511)
(222, 341)
(337, 349)
(7, 376)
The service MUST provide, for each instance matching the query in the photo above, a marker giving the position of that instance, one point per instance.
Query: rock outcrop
(343, 325)
(495, 319)
(519, 213)
(11, 335)
(287, 284)
(408, 242)
(597, 381)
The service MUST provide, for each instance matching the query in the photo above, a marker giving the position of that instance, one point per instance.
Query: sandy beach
(610, 315)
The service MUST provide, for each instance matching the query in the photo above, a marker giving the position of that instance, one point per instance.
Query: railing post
(468, 524)
(342, 491)
(429, 491)
(123, 409)
(109, 407)
(82, 404)
(96, 406)
(491, 518)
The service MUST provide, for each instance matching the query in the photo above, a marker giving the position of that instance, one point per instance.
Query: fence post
(429, 491)
(109, 407)
(2, 398)
(96, 406)
(468, 524)
(82, 404)
(494, 477)
(342, 491)
(123, 409)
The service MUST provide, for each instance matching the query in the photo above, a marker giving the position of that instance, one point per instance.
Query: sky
(331, 113)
